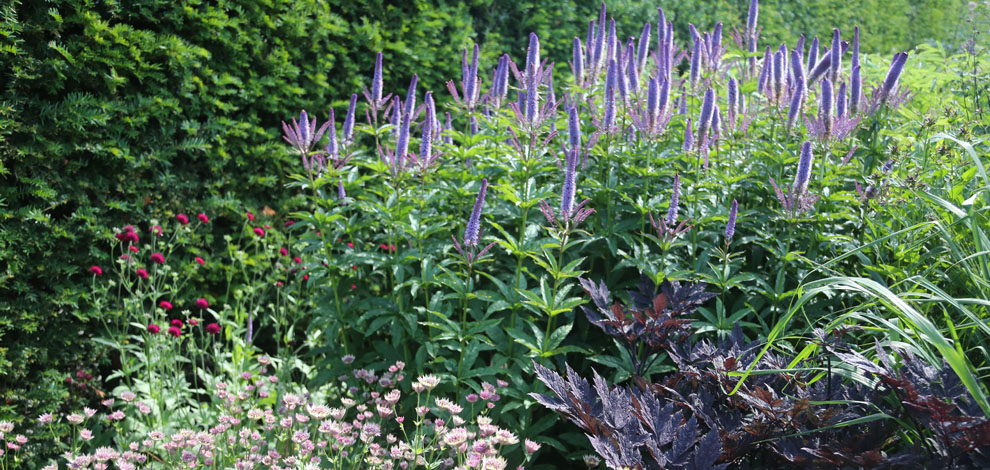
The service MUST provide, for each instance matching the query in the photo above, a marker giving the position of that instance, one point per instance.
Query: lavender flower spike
(411, 97)
(754, 9)
(569, 188)
(803, 171)
(840, 101)
(426, 140)
(733, 110)
(349, 120)
(855, 90)
(376, 83)
(688, 136)
(472, 233)
(730, 227)
(705, 120)
(643, 48)
(826, 105)
(574, 129)
(813, 54)
(675, 199)
(855, 46)
(532, 78)
(835, 67)
(577, 65)
(610, 79)
(333, 150)
(893, 74)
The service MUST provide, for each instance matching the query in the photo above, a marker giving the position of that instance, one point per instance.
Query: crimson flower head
(154, 329)
(213, 329)
(350, 244)
(201, 261)
(259, 231)
(133, 249)
(157, 230)
(142, 273)
(297, 260)
(289, 223)
(174, 331)
(203, 218)
(182, 218)
(157, 258)
(250, 216)
(283, 252)
(96, 270)
(177, 323)
(193, 321)
(202, 304)
(165, 305)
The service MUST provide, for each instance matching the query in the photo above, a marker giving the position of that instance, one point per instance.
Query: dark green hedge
(112, 112)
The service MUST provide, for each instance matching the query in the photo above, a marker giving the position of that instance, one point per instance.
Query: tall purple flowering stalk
(374, 96)
(893, 75)
(730, 226)
(705, 120)
(688, 136)
(472, 232)
(733, 112)
(348, 131)
(610, 84)
(799, 199)
(532, 79)
(855, 81)
(752, 34)
(813, 54)
(825, 106)
(302, 134)
(799, 91)
(643, 48)
(577, 63)
(835, 61)
(675, 200)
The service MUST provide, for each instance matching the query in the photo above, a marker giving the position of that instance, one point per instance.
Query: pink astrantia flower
(203, 218)
(213, 329)
(154, 329)
(142, 273)
(182, 218)
(202, 303)
(165, 304)
(259, 231)
(157, 258)
(201, 261)
(96, 270)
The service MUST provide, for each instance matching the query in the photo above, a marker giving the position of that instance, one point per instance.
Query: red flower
(96, 270)
(354, 267)
(142, 273)
(250, 216)
(177, 323)
(279, 284)
(383, 246)
(289, 223)
(201, 261)
(128, 235)
(182, 218)
(203, 218)
(350, 245)
(165, 304)
(133, 248)
(213, 329)
(259, 231)
(154, 329)
(305, 277)
(157, 258)
(125, 257)
(297, 259)
(157, 230)
(391, 248)
(175, 331)
(353, 286)
(202, 303)
(283, 252)
(193, 321)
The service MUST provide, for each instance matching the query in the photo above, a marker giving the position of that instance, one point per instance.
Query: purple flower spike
(766, 71)
(620, 78)
(893, 74)
(305, 132)
(705, 120)
(643, 48)
(688, 136)
(376, 83)
(797, 102)
(835, 66)
(431, 116)
(840, 101)
(803, 171)
(652, 102)
(855, 46)
(574, 129)
(813, 54)
(682, 106)
(569, 188)
(333, 149)
(341, 193)
(474, 125)
(532, 78)
(751, 18)
(664, 98)
(500, 84)
(471, 87)
(472, 233)
(349, 120)
(613, 42)
(778, 76)
(675, 200)
(447, 139)
(716, 122)
(797, 68)
(825, 105)
(426, 140)
(730, 227)
(411, 96)
(402, 142)
(577, 64)
(633, 74)
(855, 90)
(610, 82)
(599, 42)
(695, 71)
